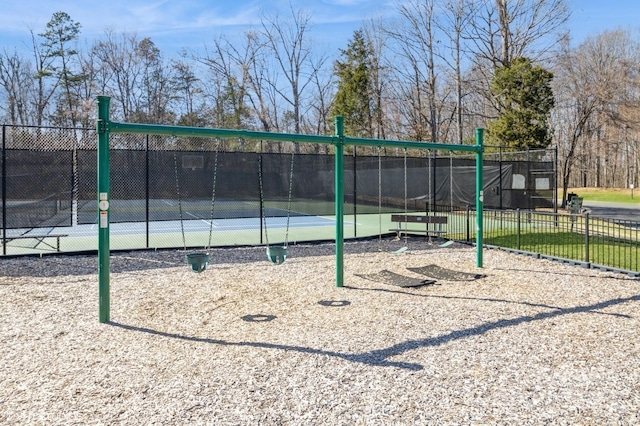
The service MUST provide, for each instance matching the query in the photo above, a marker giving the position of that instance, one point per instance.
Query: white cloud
(175, 22)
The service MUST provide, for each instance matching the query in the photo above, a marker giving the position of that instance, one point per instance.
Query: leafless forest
(429, 71)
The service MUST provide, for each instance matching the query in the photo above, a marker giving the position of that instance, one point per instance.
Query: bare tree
(320, 109)
(379, 72)
(17, 82)
(291, 49)
(592, 91)
(262, 96)
(133, 72)
(120, 71)
(456, 18)
(188, 88)
(87, 88)
(503, 30)
(507, 29)
(155, 89)
(226, 70)
(46, 80)
(416, 43)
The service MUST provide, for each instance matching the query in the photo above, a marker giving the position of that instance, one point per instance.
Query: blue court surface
(200, 225)
(169, 234)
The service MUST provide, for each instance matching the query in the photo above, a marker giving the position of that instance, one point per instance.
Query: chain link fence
(181, 192)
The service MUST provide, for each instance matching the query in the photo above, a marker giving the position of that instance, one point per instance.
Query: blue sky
(176, 24)
(590, 17)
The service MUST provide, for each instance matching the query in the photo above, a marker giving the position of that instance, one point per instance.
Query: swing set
(277, 254)
(199, 260)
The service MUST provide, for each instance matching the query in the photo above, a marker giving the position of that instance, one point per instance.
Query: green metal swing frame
(105, 127)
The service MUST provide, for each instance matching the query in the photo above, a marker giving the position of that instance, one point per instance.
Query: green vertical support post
(102, 127)
(479, 195)
(339, 201)
(4, 189)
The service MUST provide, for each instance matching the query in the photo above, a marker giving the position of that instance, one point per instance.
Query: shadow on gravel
(381, 357)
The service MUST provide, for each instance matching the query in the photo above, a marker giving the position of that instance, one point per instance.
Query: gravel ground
(246, 342)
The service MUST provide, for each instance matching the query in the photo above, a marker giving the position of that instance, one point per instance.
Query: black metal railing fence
(577, 238)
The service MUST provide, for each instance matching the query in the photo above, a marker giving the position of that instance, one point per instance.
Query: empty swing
(276, 254)
(199, 260)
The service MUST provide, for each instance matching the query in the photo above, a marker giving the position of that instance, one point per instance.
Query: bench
(40, 238)
(433, 224)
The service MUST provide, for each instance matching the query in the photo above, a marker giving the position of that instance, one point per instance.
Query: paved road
(617, 211)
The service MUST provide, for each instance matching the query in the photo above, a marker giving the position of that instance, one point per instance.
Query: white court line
(164, 227)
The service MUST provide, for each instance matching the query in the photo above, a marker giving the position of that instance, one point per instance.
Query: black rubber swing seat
(198, 261)
(277, 254)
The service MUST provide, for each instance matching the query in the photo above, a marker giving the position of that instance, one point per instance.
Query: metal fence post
(468, 223)
(355, 191)
(479, 195)
(4, 189)
(586, 237)
(260, 194)
(146, 185)
(339, 198)
(500, 177)
(518, 228)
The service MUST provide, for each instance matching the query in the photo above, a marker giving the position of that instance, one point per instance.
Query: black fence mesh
(49, 179)
(37, 177)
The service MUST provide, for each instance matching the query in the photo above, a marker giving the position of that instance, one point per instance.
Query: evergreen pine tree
(525, 99)
(353, 99)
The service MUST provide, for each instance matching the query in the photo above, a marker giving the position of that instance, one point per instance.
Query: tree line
(435, 71)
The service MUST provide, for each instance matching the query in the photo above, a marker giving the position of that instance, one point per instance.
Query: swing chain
(406, 235)
(213, 192)
(286, 236)
(175, 167)
(277, 255)
(262, 212)
(379, 198)
(213, 195)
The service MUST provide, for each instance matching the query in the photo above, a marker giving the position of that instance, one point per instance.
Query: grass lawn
(614, 195)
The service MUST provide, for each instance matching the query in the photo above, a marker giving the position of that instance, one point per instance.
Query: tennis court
(198, 232)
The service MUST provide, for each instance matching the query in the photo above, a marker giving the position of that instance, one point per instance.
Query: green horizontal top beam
(160, 129)
(410, 144)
